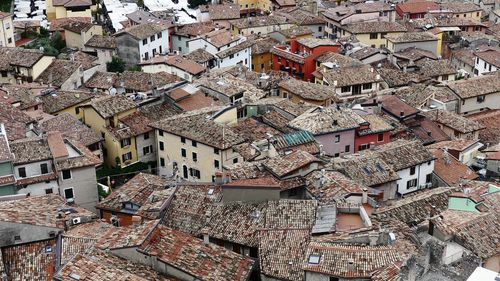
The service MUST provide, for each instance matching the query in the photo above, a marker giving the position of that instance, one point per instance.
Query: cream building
(6, 30)
(197, 144)
(371, 33)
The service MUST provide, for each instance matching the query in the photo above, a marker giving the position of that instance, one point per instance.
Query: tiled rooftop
(460, 7)
(348, 76)
(58, 72)
(200, 56)
(417, 207)
(334, 259)
(309, 91)
(281, 253)
(403, 154)
(136, 191)
(450, 170)
(134, 80)
(368, 169)
(283, 166)
(476, 86)
(338, 60)
(316, 42)
(134, 124)
(397, 78)
(142, 31)
(331, 185)
(327, 120)
(16, 122)
(123, 237)
(71, 128)
(369, 27)
(177, 61)
(40, 211)
(32, 261)
(411, 37)
(396, 107)
(429, 68)
(224, 12)
(189, 207)
(295, 31)
(110, 105)
(55, 101)
(19, 57)
(102, 42)
(252, 22)
(490, 120)
(454, 121)
(102, 80)
(191, 255)
(195, 126)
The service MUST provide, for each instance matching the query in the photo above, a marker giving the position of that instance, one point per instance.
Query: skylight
(314, 258)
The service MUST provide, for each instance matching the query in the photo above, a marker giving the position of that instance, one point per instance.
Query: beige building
(77, 34)
(6, 30)
(197, 144)
(371, 33)
(24, 65)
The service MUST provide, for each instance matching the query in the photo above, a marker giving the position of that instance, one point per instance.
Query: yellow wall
(471, 15)
(87, 13)
(365, 38)
(265, 59)
(439, 44)
(61, 12)
(228, 117)
(113, 147)
(40, 66)
(76, 40)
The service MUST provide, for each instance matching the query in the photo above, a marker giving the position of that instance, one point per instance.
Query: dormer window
(131, 206)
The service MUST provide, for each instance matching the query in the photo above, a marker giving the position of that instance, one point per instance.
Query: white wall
(421, 171)
(141, 143)
(244, 57)
(491, 101)
(38, 189)
(482, 66)
(32, 169)
(154, 45)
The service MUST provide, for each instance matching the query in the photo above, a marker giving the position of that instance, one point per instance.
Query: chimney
(56, 145)
(350, 265)
(206, 237)
(373, 237)
(364, 197)
(218, 178)
(136, 220)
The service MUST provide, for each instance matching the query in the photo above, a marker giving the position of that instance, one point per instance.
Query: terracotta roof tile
(55, 101)
(490, 120)
(327, 120)
(283, 166)
(476, 86)
(454, 121)
(58, 72)
(71, 128)
(110, 105)
(101, 41)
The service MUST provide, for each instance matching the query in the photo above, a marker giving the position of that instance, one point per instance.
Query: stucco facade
(7, 31)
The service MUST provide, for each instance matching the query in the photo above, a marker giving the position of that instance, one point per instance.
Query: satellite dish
(112, 91)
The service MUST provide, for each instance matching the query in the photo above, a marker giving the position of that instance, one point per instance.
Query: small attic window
(130, 206)
(314, 259)
(211, 191)
(48, 249)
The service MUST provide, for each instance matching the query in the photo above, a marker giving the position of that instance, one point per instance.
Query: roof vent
(335, 122)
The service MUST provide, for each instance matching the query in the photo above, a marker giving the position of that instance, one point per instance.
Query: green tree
(135, 68)
(140, 3)
(116, 65)
(44, 32)
(57, 41)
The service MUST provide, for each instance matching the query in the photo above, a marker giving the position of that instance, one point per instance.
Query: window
(345, 89)
(481, 99)
(235, 160)
(231, 56)
(195, 156)
(66, 174)
(68, 193)
(216, 151)
(183, 152)
(336, 155)
(428, 178)
(320, 28)
(147, 150)
(194, 143)
(146, 136)
(77, 110)
(162, 162)
(146, 55)
(145, 41)
(127, 156)
(444, 77)
(367, 86)
(160, 133)
(154, 52)
(383, 34)
(337, 138)
(158, 36)
(9, 40)
(380, 137)
(347, 148)
(22, 172)
(411, 183)
(125, 142)
(162, 146)
(373, 35)
(49, 191)
(195, 173)
(44, 168)
(334, 279)
(364, 146)
(412, 171)
(152, 38)
(216, 164)
(314, 259)
(160, 49)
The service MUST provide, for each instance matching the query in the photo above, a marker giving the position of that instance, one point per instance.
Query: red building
(298, 58)
(376, 131)
(415, 10)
